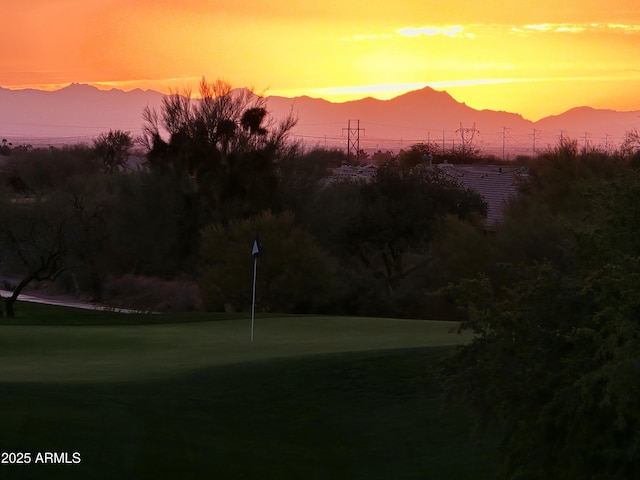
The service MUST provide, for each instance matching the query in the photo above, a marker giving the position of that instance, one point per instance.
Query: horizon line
(337, 94)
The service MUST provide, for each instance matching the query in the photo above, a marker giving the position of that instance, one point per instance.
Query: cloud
(576, 28)
(431, 30)
(476, 30)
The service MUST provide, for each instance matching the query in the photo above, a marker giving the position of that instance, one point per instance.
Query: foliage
(5, 147)
(148, 294)
(35, 172)
(630, 147)
(399, 213)
(294, 274)
(301, 177)
(35, 242)
(417, 154)
(146, 226)
(557, 353)
(112, 149)
(222, 149)
(220, 159)
(460, 249)
(382, 232)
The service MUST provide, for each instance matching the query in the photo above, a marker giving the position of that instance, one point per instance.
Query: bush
(153, 294)
(294, 274)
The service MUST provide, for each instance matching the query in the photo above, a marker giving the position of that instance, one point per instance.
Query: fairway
(108, 350)
(188, 396)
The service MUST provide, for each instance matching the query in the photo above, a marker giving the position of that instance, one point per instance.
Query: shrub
(153, 294)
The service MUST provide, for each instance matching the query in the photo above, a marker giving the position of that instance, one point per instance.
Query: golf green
(90, 396)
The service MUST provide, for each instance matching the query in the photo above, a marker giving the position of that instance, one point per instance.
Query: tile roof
(496, 184)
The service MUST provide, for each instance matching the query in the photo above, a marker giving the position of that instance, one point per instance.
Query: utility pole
(504, 136)
(534, 141)
(353, 137)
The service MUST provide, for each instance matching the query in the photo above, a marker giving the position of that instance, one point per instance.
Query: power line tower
(535, 138)
(353, 137)
(467, 135)
(504, 138)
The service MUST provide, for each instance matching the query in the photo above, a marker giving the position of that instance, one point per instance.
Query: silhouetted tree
(112, 149)
(386, 226)
(221, 153)
(34, 244)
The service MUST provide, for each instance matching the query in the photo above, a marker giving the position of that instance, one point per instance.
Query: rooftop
(496, 184)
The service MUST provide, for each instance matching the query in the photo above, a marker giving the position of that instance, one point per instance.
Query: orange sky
(536, 58)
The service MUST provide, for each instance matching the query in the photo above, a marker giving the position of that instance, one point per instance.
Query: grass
(68, 345)
(312, 398)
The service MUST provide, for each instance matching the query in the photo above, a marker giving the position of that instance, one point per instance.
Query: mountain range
(79, 112)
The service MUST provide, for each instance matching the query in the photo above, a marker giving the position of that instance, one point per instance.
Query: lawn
(189, 397)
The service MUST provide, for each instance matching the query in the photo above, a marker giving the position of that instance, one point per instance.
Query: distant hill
(79, 112)
(74, 113)
(414, 117)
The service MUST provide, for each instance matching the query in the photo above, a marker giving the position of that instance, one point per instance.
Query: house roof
(365, 172)
(496, 184)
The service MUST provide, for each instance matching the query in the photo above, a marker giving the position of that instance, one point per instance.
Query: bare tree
(34, 245)
(631, 143)
(113, 149)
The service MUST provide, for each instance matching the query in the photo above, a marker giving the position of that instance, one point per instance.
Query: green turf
(72, 345)
(313, 398)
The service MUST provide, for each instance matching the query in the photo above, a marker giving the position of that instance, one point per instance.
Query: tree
(221, 155)
(34, 244)
(5, 147)
(381, 231)
(34, 172)
(223, 145)
(417, 154)
(399, 213)
(301, 179)
(556, 355)
(143, 215)
(294, 274)
(112, 149)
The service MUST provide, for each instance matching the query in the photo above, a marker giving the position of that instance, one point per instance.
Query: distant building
(496, 184)
(348, 172)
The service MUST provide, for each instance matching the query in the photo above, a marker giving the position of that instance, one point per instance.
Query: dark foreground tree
(394, 218)
(34, 244)
(221, 155)
(556, 358)
(112, 149)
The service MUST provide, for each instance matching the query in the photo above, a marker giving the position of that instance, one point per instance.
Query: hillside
(79, 112)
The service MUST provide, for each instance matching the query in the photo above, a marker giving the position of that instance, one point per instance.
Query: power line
(353, 137)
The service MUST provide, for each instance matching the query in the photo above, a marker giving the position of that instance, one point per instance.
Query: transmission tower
(534, 135)
(353, 137)
(467, 135)
(504, 138)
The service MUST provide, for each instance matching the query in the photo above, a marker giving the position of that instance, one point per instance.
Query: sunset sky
(536, 58)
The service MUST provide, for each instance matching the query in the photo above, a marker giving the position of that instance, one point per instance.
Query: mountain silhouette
(417, 116)
(75, 112)
(79, 112)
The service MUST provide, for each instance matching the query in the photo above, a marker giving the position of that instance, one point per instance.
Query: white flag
(256, 247)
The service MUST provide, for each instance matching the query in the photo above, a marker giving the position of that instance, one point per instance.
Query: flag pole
(255, 252)
(253, 303)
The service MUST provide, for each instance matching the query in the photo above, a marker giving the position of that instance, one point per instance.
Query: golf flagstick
(255, 252)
